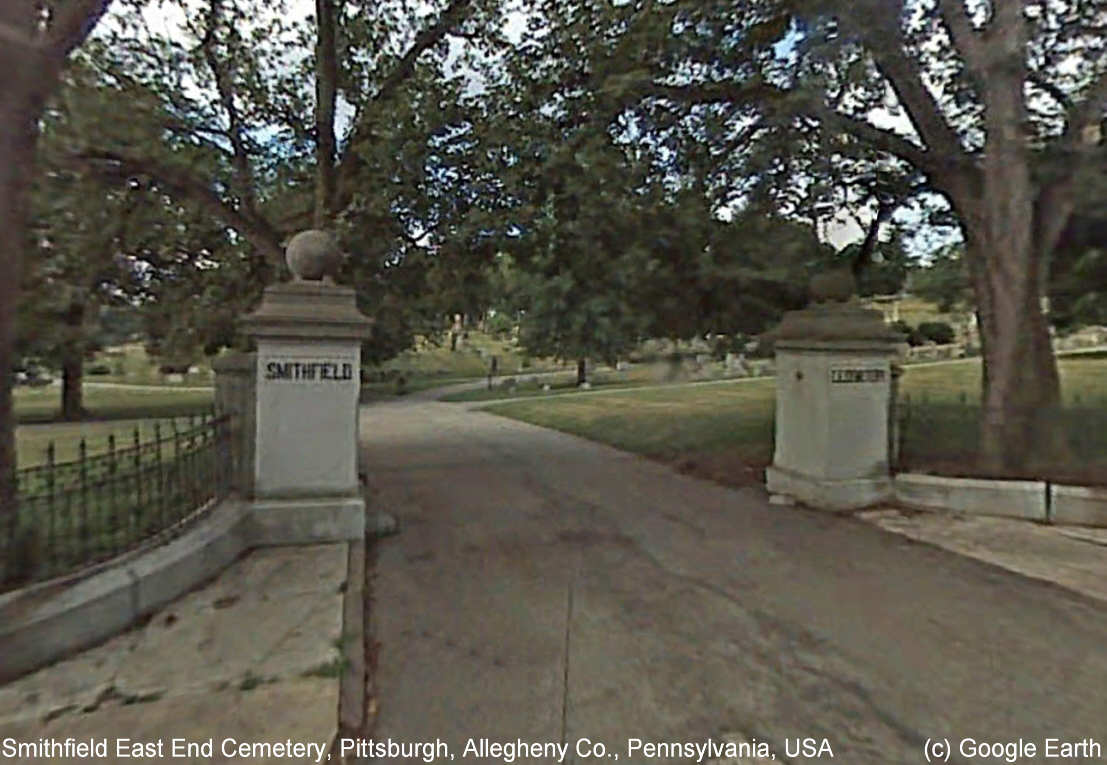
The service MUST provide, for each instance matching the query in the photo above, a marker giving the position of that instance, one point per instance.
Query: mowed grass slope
(720, 428)
(725, 431)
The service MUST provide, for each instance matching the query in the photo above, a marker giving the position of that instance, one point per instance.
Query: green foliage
(944, 280)
(910, 334)
(1078, 274)
(937, 332)
(500, 325)
(220, 126)
(887, 273)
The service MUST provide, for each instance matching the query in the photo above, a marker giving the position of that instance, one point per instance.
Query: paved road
(548, 589)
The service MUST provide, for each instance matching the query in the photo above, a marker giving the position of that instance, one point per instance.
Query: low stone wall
(936, 352)
(1010, 499)
(1088, 337)
(49, 620)
(1078, 505)
(1026, 500)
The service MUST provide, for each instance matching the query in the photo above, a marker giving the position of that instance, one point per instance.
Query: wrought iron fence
(79, 512)
(941, 435)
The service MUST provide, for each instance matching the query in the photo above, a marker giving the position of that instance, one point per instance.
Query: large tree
(1001, 108)
(990, 111)
(344, 120)
(37, 39)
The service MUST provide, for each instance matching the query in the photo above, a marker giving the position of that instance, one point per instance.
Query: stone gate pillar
(833, 389)
(308, 375)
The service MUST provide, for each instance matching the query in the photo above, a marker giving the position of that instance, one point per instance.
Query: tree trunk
(73, 372)
(73, 363)
(18, 112)
(582, 371)
(1021, 391)
(326, 84)
(31, 70)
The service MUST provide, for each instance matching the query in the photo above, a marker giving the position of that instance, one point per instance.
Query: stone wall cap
(835, 321)
(307, 309)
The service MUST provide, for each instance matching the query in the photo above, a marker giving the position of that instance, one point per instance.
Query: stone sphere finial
(313, 255)
(836, 286)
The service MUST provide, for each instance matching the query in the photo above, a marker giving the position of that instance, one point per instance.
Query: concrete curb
(1078, 505)
(1025, 500)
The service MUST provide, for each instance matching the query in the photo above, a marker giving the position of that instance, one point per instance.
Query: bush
(914, 336)
(938, 332)
(499, 326)
(99, 370)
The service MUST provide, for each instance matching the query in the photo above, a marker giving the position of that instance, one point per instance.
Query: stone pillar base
(305, 521)
(828, 494)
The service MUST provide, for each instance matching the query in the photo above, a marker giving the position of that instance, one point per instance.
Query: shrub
(937, 331)
(99, 370)
(899, 325)
(500, 325)
(914, 336)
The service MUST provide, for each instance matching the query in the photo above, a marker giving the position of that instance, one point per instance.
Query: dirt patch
(729, 467)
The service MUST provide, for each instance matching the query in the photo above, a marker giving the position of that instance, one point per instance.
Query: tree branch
(451, 17)
(326, 82)
(120, 167)
(72, 24)
(350, 161)
(879, 139)
(965, 38)
(884, 39)
(240, 159)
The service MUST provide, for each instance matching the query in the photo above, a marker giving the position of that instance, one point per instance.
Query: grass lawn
(37, 405)
(636, 376)
(79, 513)
(720, 431)
(130, 364)
(725, 431)
(437, 362)
(113, 410)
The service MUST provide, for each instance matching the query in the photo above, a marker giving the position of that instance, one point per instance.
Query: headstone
(833, 390)
(309, 334)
